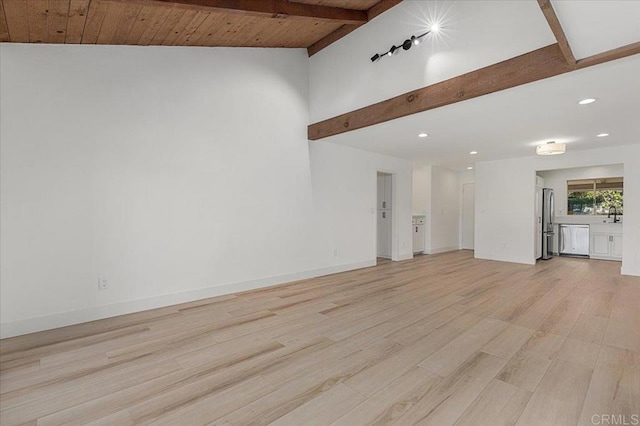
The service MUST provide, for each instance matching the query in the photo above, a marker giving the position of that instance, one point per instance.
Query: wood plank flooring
(438, 340)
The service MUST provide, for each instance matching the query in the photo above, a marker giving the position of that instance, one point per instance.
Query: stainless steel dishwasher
(574, 240)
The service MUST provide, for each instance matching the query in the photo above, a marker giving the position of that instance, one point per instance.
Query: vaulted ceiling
(472, 69)
(312, 24)
(498, 79)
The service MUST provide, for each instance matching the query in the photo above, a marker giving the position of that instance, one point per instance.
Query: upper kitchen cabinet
(384, 191)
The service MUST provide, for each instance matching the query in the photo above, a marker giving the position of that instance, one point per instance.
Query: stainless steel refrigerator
(548, 219)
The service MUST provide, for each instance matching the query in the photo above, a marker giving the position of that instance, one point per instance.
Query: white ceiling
(595, 26)
(510, 123)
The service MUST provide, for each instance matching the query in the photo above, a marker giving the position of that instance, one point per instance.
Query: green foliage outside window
(606, 193)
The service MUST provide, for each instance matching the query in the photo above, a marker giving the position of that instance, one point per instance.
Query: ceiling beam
(537, 65)
(330, 39)
(610, 55)
(558, 32)
(336, 35)
(265, 8)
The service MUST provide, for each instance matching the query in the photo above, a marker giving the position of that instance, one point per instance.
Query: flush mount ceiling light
(587, 101)
(602, 135)
(473, 152)
(405, 45)
(469, 168)
(551, 148)
(422, 135)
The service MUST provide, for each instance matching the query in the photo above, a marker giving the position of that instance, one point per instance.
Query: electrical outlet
(103, 283)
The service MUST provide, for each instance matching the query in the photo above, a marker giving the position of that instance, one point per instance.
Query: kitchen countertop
(602, 221)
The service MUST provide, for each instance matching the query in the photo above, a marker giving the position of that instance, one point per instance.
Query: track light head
(405, 45)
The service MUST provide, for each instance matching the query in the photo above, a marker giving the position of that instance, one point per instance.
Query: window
(595, 196)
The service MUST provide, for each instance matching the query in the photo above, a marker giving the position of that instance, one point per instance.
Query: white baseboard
(63, 319)
(442, 250)
(503, 258)
(406, 256)
(624, 270)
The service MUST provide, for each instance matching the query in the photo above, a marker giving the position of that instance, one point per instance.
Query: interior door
(468, 212)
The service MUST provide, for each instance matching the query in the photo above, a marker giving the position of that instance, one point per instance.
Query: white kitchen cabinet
(385, 215)
(606, 246)
(384, 233)
(599, 245)
(418, 223)
(616, 246)
(384, 191)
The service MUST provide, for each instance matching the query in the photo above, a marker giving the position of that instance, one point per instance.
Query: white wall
(422, 199)
(176, 174)
(557, 179)
(505, 192)
(342, 77)
(421, 189)
(444, 210)
(464, 177)
(345, 196)
(435, 195)
(504, 210)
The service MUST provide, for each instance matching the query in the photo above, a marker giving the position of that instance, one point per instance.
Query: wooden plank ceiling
(246, 23)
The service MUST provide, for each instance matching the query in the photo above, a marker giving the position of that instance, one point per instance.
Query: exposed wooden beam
(537, 65)
(558, 32)
(4, 30)
(330, 39)
(610, 55)
(265, 8)
(381, 7)
(336, 35)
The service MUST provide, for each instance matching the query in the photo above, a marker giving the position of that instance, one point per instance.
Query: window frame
(597, 184)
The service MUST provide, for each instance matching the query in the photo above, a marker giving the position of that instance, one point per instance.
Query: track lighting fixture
(406, 45)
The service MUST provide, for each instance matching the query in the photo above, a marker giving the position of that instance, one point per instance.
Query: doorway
(468, 215)
(384, 217)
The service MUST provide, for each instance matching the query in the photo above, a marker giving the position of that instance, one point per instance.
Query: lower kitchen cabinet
(616, 246)
(606, 246)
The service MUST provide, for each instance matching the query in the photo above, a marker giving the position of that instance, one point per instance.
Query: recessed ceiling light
(603, 135)
(434, 28)
(587, 101)
(422, 135)
(469, 168)
(473, 152)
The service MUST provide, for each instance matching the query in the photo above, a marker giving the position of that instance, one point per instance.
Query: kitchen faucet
(615, 214)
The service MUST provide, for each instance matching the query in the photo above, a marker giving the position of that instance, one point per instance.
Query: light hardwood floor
(444, 339)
